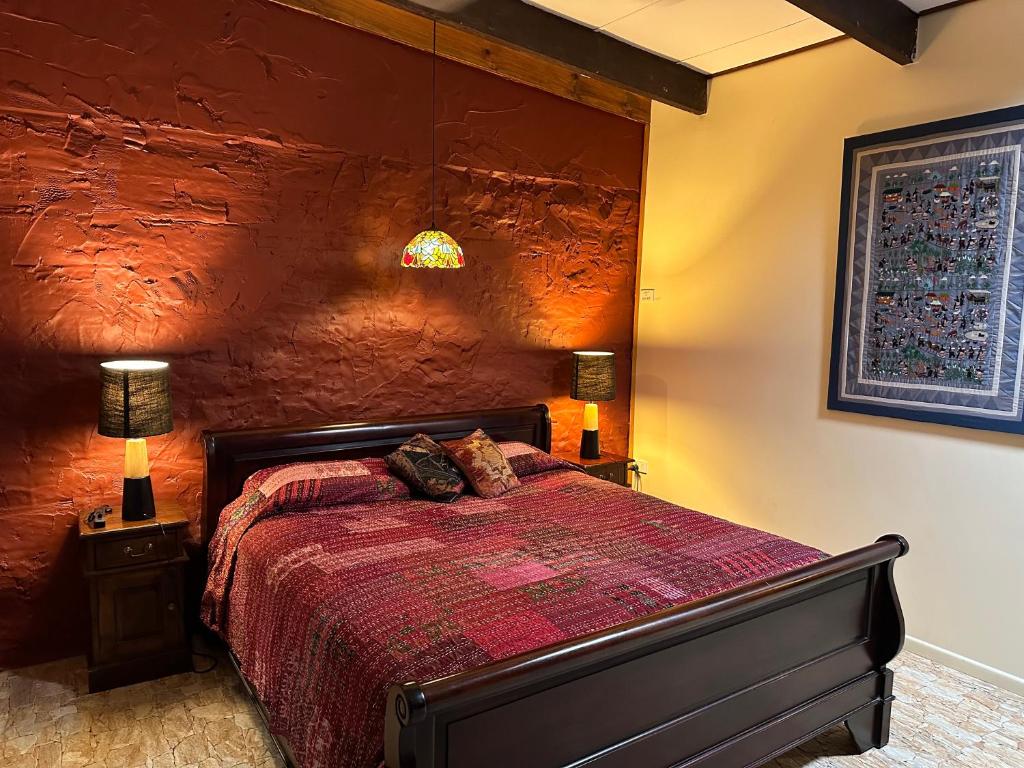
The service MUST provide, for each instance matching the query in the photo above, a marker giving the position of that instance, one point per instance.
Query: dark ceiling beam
(888, 26)
(581, 49)
(466, 47)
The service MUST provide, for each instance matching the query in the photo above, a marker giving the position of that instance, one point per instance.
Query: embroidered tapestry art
(930, 280)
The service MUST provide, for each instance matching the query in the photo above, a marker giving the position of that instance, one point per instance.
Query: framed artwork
(930, 280)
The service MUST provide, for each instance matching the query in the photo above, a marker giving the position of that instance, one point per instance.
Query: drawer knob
(172, 607)
(130, 550)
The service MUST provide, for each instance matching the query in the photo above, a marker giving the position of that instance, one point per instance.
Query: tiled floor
(47, 720)
(942, 719)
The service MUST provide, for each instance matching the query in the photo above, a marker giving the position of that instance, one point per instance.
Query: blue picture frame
(929, 301)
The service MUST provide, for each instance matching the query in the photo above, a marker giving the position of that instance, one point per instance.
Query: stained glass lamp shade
(433, 249)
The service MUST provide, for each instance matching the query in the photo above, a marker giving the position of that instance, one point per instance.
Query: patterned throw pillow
(483, 464)
(423, 465)
(315, 484)
(527, 460)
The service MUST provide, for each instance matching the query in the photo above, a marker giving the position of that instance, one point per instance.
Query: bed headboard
(232, 455)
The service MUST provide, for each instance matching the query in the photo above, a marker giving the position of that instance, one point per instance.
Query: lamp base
(137, 499)
(590, 446)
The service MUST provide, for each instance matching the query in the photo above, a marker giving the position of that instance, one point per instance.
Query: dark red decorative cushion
(314, 484)
(483, 464)
(425, 467)
(527, 460)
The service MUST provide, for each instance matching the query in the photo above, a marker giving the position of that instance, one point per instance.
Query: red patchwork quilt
(329, 590)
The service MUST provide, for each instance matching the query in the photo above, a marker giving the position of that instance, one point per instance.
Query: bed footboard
(732, 680)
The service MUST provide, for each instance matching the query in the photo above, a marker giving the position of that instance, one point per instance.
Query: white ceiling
(709, 35)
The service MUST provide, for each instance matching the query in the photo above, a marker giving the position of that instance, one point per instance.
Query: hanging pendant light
(433, 248)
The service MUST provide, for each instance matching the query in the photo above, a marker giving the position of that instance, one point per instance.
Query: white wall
(740, 242)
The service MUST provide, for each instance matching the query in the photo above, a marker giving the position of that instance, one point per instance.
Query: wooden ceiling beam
(582, 50)
(887, 26)
(531, 46)
(454, 43)
(523, 67)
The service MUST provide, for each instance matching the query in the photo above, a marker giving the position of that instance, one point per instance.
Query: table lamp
(593, 380)
(135, 403)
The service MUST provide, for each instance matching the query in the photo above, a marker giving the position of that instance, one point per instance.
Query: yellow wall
(740, 237)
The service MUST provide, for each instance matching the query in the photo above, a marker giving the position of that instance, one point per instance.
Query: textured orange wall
(228, 186)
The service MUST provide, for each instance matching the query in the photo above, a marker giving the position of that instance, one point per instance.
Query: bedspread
(325, 608)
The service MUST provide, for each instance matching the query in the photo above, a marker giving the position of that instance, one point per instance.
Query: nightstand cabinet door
(138, 614)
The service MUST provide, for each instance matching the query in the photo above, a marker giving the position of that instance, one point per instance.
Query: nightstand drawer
(136, 550)
(610, 467)
(613, 473)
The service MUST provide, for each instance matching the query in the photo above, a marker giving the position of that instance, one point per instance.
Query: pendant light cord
(433, 133)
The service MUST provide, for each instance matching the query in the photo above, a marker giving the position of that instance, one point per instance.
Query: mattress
(326, 605)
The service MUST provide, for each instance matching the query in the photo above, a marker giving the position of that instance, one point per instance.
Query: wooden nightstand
(136, 594)
(610, 466)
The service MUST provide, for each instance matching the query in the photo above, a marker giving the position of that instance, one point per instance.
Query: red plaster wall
(228, 186)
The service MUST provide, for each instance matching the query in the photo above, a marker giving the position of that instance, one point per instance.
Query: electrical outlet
(641, 466)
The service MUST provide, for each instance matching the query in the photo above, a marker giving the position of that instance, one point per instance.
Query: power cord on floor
(209, 668)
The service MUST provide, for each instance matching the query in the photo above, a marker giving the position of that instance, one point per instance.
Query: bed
(729, 678)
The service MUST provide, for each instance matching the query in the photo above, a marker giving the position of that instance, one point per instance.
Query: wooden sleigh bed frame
(730, 681)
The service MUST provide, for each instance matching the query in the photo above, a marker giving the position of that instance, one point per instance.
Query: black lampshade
(135, 399)
(593, 376)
